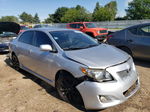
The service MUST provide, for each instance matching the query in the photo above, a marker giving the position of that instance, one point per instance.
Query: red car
(23, 28)
(90, 29)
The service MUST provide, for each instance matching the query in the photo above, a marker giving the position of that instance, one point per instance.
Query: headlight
(99, 75)
(98, 32)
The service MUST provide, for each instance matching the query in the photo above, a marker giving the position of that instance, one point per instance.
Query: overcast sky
(45, 7)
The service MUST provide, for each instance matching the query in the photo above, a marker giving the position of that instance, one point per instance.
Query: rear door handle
(30, 51)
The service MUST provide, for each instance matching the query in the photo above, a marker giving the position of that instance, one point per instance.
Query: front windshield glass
(90, 25)
(73, 40)
(7, 34)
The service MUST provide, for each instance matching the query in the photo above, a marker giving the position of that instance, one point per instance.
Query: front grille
(103, 31)
(132, 88)
(128, 70)
(125, 73)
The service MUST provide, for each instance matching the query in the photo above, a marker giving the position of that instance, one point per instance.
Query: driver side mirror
(81, 27)
(46, 47)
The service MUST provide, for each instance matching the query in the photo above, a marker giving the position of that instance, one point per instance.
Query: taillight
(110, 36)
(107, 38)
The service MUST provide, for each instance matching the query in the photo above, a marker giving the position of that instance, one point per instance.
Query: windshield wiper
(72, 48)
(77, 48)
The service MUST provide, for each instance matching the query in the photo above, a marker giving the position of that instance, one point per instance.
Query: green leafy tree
(138, 9)
(50, 19)
(76, 14)
(97, 7)
(112, 7)
(36, 18)
(59, 13)
(26, 18)
(103, 14)
(121, 18)
(9, 19)
(106, 13)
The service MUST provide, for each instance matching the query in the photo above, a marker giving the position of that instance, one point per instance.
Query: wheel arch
(13, 53)
(61, 72)
(90, 33)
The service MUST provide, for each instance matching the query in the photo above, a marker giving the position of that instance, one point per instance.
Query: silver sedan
(84, 72)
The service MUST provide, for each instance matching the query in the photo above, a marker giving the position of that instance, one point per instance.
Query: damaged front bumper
(100, 95)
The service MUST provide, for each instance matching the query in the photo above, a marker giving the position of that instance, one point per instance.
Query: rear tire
(66, 88)
(15, 62)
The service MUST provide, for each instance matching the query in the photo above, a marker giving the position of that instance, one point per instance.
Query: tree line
(137, 9)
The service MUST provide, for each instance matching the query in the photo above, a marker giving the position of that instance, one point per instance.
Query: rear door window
(144, 31)
(27, 37)
(79, 25)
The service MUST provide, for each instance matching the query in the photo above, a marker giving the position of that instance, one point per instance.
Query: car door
(144, 33)
(43, 60)
(133, 41)
(73, 26)
(24, 46)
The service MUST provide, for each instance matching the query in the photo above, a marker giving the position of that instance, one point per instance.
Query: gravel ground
(23, 92)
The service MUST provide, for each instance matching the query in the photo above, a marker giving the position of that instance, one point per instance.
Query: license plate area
(132, 88)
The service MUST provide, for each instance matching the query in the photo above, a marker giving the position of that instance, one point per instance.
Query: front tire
(66, 87)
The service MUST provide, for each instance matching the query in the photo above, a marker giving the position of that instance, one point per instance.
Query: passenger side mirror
(46, 47)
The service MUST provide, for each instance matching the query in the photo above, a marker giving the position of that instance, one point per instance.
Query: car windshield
(90, 25)
(24, 27)
(73, 40)
(7, 34)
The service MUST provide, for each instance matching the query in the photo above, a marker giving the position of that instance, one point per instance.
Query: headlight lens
(99, 75)
(98, 32)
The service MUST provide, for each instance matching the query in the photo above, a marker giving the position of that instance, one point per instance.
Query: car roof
(49, 29)
(143, 24)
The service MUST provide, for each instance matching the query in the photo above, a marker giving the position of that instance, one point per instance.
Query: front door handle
(129, 40)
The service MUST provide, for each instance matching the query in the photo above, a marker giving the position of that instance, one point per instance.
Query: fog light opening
(104, 99)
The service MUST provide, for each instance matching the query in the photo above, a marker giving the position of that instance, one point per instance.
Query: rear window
(76, 25)
(26, 37)
(144, 31)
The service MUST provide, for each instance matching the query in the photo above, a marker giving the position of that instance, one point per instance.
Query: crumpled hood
(101, 56)
(9, 27)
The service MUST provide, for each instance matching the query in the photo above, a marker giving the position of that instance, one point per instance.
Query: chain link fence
(109, 24)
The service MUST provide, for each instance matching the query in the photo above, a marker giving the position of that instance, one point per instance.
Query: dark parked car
(135, 40)
(8, 31)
